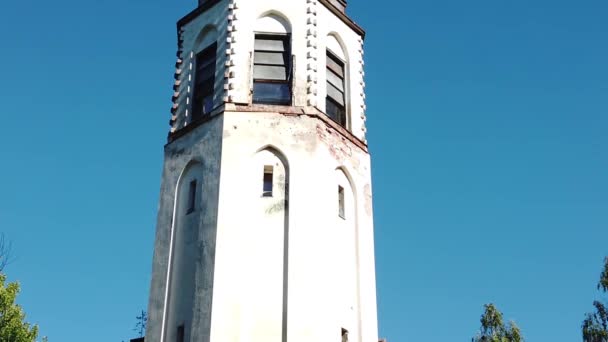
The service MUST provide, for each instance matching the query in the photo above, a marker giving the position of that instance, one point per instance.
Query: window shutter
(271, 58)
(335, 79)
(270, 72)
(272, 69)
(335, 106)
(270, 43)
(204, 82)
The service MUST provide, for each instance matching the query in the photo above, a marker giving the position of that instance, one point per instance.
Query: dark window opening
(204, 81)
(344, 335)
(272, 70)
(180, 333)
(192, 197)
(335, 106)
(341, 202)
(268, 179)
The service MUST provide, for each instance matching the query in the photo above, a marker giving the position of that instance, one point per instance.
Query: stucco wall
(321, 264)
(202, 145)
(198, 34)
(285, 268)
(310, 24)
(327, 259)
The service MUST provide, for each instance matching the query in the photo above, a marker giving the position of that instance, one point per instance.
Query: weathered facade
(265, 223)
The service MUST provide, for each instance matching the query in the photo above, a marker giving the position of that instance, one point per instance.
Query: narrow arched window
(272, 69)
(341, 210)
(335, 101)
(272, 64)
(204, 81)
(268, 181)
(192, 197)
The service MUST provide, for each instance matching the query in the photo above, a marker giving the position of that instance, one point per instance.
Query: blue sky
(487, 125)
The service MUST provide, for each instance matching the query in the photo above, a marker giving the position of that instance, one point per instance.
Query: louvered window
(272, 70)
(204, 80)
(335, 101)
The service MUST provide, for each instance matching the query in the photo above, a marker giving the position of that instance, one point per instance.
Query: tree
(142, 321)
(493, 328)
(5, 252)
(12, 325)
(595, 325)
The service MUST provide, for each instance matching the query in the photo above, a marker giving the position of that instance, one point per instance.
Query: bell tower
(265, 222)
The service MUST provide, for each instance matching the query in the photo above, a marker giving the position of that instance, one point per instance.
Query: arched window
(205, 56)
(272, 65)
(335, 99)
(204, 81)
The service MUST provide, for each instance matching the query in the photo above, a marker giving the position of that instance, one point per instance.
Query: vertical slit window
(272, 70)
(268, 180)
(204, 81)
(335, 106)
(192, 197)
(344, 335)
(180, 333)
(341, 202)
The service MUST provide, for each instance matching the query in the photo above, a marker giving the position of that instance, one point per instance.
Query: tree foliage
(493, 328)
(603, 284)
(5, 252)
(595, 325)
(13, 327)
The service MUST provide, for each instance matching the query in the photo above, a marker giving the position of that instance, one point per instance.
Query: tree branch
(5, 252)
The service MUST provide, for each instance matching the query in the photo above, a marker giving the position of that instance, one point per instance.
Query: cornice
(345, 18)
(196, 12)
(341, 15)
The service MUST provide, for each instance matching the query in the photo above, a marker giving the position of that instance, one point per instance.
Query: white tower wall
(243, 266)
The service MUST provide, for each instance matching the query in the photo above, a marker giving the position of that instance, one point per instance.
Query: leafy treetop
(595, 325)
(493, 328)
(12, 318)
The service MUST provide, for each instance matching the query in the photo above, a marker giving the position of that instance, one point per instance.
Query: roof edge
(327, 3)
(196, 12)
(344, 17)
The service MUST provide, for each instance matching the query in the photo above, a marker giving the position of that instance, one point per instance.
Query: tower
(265, 223)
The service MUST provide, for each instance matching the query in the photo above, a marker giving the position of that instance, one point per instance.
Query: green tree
(13, 328)
(595, 325)
(493, 328)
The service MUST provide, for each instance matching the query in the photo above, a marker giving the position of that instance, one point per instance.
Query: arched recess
(272, 22)
(347, 241)
(335, 44)
(266, 263)
(206, 37)
(184, 253)
(338, 79)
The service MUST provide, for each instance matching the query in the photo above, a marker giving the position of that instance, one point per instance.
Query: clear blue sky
(487, 123)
